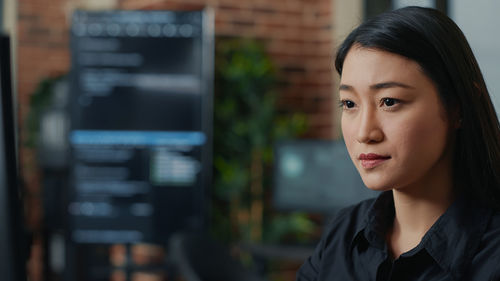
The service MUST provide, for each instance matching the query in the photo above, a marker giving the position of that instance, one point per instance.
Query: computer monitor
(140, 125)
(316, 176)
(12, 250)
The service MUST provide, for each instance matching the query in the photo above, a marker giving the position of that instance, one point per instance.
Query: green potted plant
(246, 126)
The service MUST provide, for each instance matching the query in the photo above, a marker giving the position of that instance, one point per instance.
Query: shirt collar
(451, 241)
(377, 220)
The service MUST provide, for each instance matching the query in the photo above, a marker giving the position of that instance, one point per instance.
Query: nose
(369, 130)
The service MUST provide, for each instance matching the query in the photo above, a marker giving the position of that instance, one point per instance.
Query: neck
(417, 208)
(414, 216)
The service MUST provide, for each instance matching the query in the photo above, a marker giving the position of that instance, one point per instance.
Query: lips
(371, 160)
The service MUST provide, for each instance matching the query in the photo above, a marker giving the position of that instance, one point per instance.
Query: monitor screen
(12, 260)
(316, 176)
(139, 132)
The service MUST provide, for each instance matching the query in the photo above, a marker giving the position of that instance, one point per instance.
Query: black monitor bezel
(12, 261)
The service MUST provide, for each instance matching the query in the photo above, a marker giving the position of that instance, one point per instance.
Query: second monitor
(316, 176)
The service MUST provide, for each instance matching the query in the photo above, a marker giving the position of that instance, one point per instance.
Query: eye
(347, 104)
(389, 102)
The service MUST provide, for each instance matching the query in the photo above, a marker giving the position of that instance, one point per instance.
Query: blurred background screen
(137, 125)
(140, 128)
(316, 176)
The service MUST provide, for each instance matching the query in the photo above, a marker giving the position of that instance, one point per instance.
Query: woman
(419, 125)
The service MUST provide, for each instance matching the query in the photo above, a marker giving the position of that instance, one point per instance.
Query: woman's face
(393, 122)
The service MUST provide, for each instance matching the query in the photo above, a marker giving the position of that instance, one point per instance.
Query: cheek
(348, 128)
(349, 131)
(422, 136)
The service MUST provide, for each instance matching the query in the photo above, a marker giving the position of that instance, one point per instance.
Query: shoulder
(337, 235)
(486, 260)
(491, 236)
(349, 220)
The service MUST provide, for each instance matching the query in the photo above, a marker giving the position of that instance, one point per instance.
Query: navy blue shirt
(463, 244)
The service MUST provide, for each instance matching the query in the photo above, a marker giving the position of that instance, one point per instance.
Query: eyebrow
(378, 86)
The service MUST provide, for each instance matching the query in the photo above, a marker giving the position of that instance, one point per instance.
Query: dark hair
(435, 42)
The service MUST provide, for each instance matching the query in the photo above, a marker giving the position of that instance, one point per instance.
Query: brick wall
(298, 34)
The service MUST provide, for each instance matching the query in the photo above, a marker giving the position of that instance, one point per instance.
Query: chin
(378, 187)
(376, 183)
